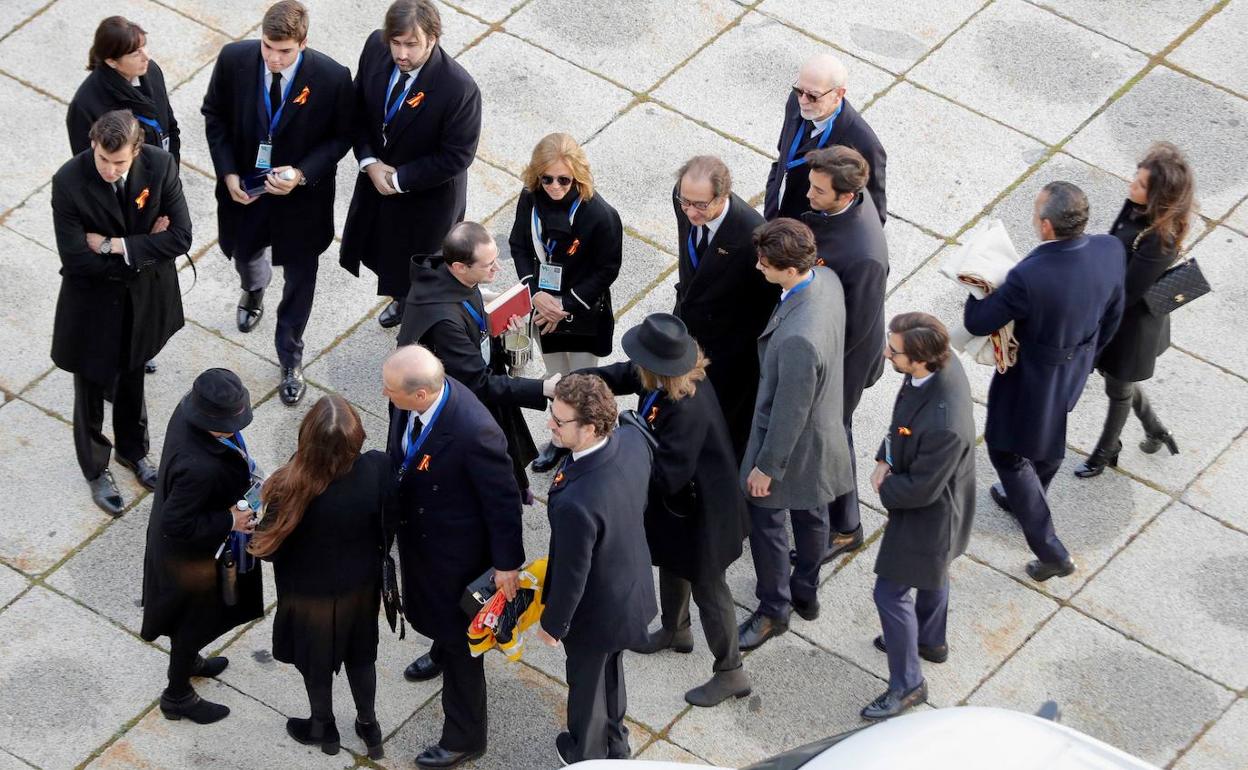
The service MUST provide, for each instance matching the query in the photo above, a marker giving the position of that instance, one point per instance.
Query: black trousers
(298, 288)
(843, 514)
(1125, 397)
(363, 682)
(129, 421)
(463, 697)
(596, 704)
(714, 600)
(1026, 484)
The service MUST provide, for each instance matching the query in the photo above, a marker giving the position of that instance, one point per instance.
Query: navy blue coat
(458, 511)
(1066, 300)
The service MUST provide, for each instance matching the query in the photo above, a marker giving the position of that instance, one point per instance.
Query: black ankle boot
(192, 707)
(314, 732)
(1096, 462)
(370, 733)
(1153, 442)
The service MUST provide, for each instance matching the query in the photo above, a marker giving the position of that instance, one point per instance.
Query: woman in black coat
(323, 530)
(1152, 225)
(204, 472)
(696, 518)
(567, 243)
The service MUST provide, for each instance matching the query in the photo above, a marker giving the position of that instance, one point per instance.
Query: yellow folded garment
(501, 624)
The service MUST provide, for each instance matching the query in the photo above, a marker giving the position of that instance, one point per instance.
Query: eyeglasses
(562, 181)
(893, 351)
(699, 205)
(810, 95)
(559, 423)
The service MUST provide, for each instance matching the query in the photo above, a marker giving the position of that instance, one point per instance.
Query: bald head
(823, 76)
(412, 377)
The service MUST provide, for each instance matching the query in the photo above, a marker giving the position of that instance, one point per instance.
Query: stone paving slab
(1108, 687)
(1007, 58)
(1196, 609)
(1215, 50)
(1119, 136)
(662, 751)
(33, 219)
(353, 366)
(909, 248)
(233, 18)
(891, 33)
(44, 150)
(636, 43)
(489, 10)
(30, 271)
(1239, 218)
(186, 99)
(340, 27)
(1220, 255)
(989, 617)
(17, 12)
(250, 738)
(949, 188)
(1222, 746)
(1217, 491)
(12, 583)
(740, 82)
(1148, 25)
(10, 762)
(88, 678)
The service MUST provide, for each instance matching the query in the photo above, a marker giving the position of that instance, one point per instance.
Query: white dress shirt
(590, 450)
(412, 415)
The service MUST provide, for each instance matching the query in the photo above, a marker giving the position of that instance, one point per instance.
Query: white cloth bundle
(981, 264)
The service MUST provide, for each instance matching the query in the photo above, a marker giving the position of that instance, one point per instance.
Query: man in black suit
(850, 241)
(722, 298)
(120, 220)
(417, 121)
(1065, 299)
(818, 115)
(925, 474)
(459, 515)
(278, 119)
(599, 592)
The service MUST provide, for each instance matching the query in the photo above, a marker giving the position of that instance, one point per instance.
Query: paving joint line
(23, 23)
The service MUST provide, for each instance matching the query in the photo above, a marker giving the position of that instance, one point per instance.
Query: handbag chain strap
(1180, 258)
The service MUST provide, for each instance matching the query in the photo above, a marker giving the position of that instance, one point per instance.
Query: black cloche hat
(661, 344)
(218, 402)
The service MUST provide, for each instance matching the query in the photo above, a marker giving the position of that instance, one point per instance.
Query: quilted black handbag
(1176, 287)
(391, 598)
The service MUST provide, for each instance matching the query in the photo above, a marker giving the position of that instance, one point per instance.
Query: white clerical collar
(712, 226)
(585, 452)
(134, 81)
(820, 125)
(919, 381)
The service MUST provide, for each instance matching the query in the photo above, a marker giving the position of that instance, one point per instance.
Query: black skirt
(318, 634)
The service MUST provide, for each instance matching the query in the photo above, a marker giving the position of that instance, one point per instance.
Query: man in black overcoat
(278, 119)
(459, 516)
(722, 297)
(925, 475)
(818, 115)
(850, 241)
(1065, 299)
(599, 592)
(120, 220)
(417, 121)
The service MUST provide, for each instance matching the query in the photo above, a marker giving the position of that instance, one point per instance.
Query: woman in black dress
(696, 518)
(1152, 225)
(323, 531)
(567, 243)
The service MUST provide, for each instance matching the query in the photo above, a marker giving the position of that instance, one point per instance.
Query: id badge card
(550, 277)
(485, 349)
(164, 143)
(264, 156)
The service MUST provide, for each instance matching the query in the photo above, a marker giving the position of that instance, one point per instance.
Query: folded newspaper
(981, 264)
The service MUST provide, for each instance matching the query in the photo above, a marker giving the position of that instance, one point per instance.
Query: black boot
(370, 733)
(549, 458)
(1153, 442)
(1096, 462)
(193, 707)
(314, 732)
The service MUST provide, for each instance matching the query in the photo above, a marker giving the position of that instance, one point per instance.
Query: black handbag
(477, 593)
(227, 575)
(391, 598)
(1176, 287)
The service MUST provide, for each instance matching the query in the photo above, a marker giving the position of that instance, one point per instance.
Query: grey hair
(708, 167)
(1066, 208)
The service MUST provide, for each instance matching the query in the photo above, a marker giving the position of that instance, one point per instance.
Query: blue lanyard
(823, 139)
(800, 287)
(154, 124)
(268, 103)
(649, 402)
(414, 446)
(693, 255)
(472, 311)
(241, 448)
(537, 227)
(392, 109)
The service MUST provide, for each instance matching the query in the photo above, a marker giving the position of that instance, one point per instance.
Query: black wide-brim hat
(661, 344)
(218, 402)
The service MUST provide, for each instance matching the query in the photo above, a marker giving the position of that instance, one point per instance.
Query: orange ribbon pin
(415, 101)
(302, 98)
(558, 478)
(424, 463)
(141, 201)
(903, 431)
(654, 412)
(576, 244)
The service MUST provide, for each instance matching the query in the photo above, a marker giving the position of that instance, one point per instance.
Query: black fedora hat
(218, 402)
(661, 344)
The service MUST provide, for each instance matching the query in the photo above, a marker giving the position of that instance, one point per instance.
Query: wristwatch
(107, 246)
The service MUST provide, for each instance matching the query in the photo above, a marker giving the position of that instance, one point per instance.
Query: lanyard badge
(414, 445)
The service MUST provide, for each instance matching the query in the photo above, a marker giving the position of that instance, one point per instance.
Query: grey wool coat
(798, 437)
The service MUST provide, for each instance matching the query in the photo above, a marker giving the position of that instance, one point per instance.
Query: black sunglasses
(810, 95)
(562, 181)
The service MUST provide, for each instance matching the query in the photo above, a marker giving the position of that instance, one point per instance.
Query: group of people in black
(746, 391)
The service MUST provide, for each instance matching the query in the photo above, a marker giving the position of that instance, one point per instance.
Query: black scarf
(554, 215)
(125, 96)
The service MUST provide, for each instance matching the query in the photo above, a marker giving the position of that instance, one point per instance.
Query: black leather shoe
(680, 641)
(549, 458)
(392, 315)
(931, 654)
(293, 387)
(149, 366)
(806, 610)
(1096, 462)
(370, 733)
(250, 310)
(421, 669)
(437, 757)
(565, 748)
(1041, 571)
(194, 708)
(142, 470)
(313, 732)
(997, 492)
(104, 493)
(838, 545)
(1152, 443)
(891, 703)
(758, 629)
(209, 667)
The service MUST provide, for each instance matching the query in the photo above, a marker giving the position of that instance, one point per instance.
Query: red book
(514, 301)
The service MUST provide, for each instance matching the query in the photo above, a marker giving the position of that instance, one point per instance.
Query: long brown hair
(1171, 193)
(330, 438)
(115, 37)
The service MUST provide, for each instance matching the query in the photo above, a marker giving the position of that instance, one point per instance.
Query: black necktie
(417, 427)
(704, 236)
(119, 188)
(397, 91)
(275, 94)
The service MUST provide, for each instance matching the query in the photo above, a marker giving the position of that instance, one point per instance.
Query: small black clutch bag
(477, 593)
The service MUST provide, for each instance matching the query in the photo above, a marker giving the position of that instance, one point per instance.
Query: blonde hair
(677, 387)
(559, 147)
